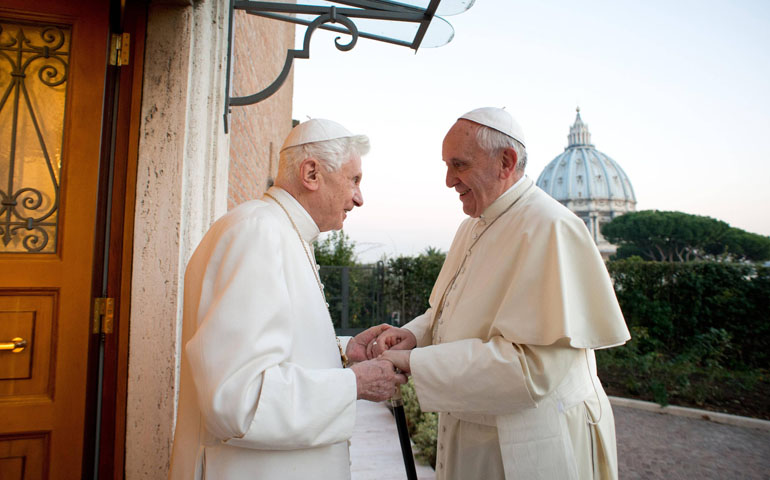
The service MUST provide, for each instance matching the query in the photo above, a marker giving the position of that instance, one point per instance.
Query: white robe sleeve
(420, 327)
(488, 378)
(546, 366)
(248, 392)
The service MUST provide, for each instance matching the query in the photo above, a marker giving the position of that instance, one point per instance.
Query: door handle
(14, 346)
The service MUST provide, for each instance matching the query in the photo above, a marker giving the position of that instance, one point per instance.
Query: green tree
(409, 281)
(336, 249)
(681, 237)
(751, 246)
(340, 273)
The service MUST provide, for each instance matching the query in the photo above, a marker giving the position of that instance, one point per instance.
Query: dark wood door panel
(16, 327)
(24, 457)
(29, 316)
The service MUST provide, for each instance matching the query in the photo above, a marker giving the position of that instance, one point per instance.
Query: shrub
(409, 281)
(423, 426)
(708, 304)
(694, 376)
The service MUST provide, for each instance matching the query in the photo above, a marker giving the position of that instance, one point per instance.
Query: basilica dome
(589, 183)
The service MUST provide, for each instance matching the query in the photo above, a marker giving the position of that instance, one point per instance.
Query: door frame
(108, 353)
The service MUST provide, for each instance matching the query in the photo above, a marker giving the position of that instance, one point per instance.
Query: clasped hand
(382, 356)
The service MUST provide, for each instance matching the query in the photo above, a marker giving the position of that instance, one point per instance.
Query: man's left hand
(399, 358)
(356, 349)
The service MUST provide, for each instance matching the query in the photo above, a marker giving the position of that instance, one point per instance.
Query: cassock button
(443, 428)
(440, 446)
(462, 270)
(475, 236)
(441, 321)
(440, 465)
(483, 222)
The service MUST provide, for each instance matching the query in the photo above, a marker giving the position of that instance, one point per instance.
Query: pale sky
(678, 93)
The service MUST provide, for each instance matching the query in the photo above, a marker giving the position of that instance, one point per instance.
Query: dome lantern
(579, 136)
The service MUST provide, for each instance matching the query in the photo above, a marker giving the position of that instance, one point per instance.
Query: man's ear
(509, 161)
(309, 171)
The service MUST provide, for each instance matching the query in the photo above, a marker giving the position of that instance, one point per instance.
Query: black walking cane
(397, 402)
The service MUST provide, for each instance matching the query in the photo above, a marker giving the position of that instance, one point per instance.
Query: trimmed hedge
(681, 306)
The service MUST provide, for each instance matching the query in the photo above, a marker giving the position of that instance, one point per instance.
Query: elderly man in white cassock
(506, 349)
(263, 390)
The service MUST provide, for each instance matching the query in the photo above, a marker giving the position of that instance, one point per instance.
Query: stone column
(181, 189)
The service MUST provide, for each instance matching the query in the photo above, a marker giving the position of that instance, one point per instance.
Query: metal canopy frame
(327, 18)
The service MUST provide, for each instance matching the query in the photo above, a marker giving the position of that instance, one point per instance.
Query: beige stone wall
(182, 187)
(157, 242)
(258, 130)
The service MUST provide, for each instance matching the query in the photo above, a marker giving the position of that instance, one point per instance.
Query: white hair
(331, 153)
(493, 142)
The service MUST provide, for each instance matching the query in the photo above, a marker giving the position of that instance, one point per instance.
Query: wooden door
(53, 56)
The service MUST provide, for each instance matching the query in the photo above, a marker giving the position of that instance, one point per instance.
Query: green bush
(335, 248)
(694, 376)
(423, 426)
(425, 438)
(409, 281)
(363, 306)
(699, 333)
(681, 306)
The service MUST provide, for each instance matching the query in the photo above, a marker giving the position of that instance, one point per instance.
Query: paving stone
(375, 452)
(659, 446)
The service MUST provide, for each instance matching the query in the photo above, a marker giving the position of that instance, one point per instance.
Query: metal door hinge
(120, 47)
(104, 314)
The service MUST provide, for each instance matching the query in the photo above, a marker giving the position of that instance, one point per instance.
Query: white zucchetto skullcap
(496, 119)
(315, 130)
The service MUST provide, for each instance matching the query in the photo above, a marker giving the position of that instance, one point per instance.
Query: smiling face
(476, 176)
(338, 193)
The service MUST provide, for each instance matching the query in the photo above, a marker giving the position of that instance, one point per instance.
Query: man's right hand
(391, 339)
(376, 379)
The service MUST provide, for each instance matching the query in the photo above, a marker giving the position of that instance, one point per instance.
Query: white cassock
(508, 361)
(263, 394)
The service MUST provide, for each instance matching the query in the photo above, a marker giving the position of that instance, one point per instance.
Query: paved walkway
(650, 446)
(375, 452)
(656, 446)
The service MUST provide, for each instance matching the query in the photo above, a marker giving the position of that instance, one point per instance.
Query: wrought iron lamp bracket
(327, 19)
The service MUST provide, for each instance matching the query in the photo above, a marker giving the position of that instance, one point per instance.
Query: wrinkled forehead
(352, 167)
(461, 138)
(463, 128)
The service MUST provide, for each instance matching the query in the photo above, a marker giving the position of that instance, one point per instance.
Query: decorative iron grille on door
(34, 67)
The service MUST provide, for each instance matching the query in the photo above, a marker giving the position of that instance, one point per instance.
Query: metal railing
(356, 296)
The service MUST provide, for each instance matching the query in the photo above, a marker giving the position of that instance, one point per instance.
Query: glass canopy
(409, 23)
